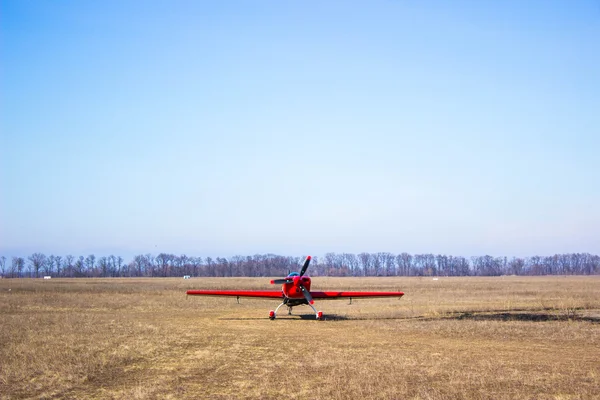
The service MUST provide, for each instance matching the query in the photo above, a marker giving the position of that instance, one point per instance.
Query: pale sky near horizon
(299, 127)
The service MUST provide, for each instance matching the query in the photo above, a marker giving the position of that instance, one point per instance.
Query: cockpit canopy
(293, 274)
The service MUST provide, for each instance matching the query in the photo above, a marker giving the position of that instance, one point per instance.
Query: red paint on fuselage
(292, 290)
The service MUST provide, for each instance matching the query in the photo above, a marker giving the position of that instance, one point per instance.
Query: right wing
(339, 295)
(270, 294)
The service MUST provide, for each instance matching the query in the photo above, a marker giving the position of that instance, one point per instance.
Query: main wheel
(271, 315)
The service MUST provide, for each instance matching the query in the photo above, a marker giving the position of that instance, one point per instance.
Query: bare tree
(536, 267)
(377, 263)
(18, 263)
(12, 271)
(388, 264)
(103, 265)
(429, 267)
(69, 265)
(183, 265)
(404, 263)
(365, 263)
(139, 263)
(49, 265)
(516, 265)
(443, 265)
(462, 267)
(37, 261)
(329, 263)
(221, 266)
(120, 266)
(576, 263)
(238, 262)
(259, 264)
(210, 266)
(112, 265)
(419, 264)
(164, 263)
(90, 264)
(594, 263)
(197, 263)
(351, 261)
(58, 263)
(80, 266)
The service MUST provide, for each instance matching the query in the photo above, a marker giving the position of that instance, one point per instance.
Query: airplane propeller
(281, 281)
(288, 280)
(306, 294)
(305, 266)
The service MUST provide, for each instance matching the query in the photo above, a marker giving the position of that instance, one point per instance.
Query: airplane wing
(339, 295)
(270, 294)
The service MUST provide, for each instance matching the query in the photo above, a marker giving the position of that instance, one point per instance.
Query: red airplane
(295, 291)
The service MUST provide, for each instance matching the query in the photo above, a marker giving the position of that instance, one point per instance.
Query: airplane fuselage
(292, 290)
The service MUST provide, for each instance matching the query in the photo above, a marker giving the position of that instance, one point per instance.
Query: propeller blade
(305, 266)
(281, 281)
(307, 295)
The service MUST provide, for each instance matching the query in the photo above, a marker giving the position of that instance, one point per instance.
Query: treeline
(332, 264)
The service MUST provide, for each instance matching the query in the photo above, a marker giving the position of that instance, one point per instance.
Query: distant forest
(332, 264)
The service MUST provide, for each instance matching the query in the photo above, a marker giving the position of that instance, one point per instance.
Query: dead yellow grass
(470, 338)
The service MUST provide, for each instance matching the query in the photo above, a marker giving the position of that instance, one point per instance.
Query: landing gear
(318, 314)
(273, 313)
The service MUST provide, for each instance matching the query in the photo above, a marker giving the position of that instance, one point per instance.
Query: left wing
(270, 294)
(339, 295)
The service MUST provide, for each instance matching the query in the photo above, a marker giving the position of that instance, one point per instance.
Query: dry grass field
(459, 338)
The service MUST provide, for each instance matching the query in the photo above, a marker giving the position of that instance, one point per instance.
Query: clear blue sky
(299, 127)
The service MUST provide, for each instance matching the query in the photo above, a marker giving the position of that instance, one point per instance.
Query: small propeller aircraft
(295, 291)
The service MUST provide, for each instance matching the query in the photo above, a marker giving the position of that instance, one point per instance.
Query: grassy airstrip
(470, 338)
